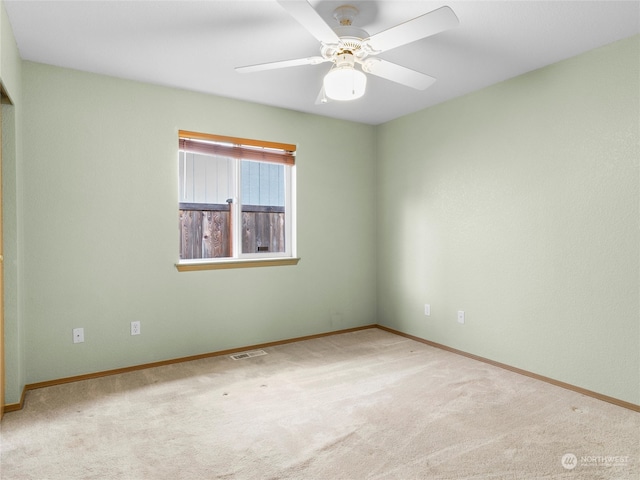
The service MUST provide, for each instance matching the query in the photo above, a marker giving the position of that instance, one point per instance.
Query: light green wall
(101, 227)
(10, 77)
(519, 204)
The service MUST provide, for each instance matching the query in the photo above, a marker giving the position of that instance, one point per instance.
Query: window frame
(260, 151)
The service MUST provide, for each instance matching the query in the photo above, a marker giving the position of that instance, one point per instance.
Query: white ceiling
(195, 45)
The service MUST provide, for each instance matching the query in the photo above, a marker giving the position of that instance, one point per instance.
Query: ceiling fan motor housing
(351, 38)
(344, 59)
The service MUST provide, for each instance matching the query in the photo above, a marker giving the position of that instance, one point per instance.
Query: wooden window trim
(235, 263)
(235, 147)
(236, 140)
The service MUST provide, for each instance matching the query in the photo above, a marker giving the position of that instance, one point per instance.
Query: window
(236, 201)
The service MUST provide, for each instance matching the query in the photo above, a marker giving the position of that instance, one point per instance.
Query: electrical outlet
(460, 316)
(135, 328)
(78, 335)
(427, 309)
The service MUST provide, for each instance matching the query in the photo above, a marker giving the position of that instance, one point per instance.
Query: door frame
(4, 99)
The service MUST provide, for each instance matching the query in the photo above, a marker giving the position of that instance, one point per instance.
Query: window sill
(224, 264)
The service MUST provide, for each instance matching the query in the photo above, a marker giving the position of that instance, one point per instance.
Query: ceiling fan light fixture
(344, 82)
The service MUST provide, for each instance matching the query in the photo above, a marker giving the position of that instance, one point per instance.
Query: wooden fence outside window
(205, 230)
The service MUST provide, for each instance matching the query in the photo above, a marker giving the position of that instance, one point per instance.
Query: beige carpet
(361, 405)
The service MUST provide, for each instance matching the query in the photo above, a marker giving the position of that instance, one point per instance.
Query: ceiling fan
(347, 45)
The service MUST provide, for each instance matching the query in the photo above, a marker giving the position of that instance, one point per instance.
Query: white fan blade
(283, 64)
(304, 13)
(420, 27)
(397, 73)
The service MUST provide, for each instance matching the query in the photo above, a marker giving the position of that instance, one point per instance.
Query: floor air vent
(252, 353)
